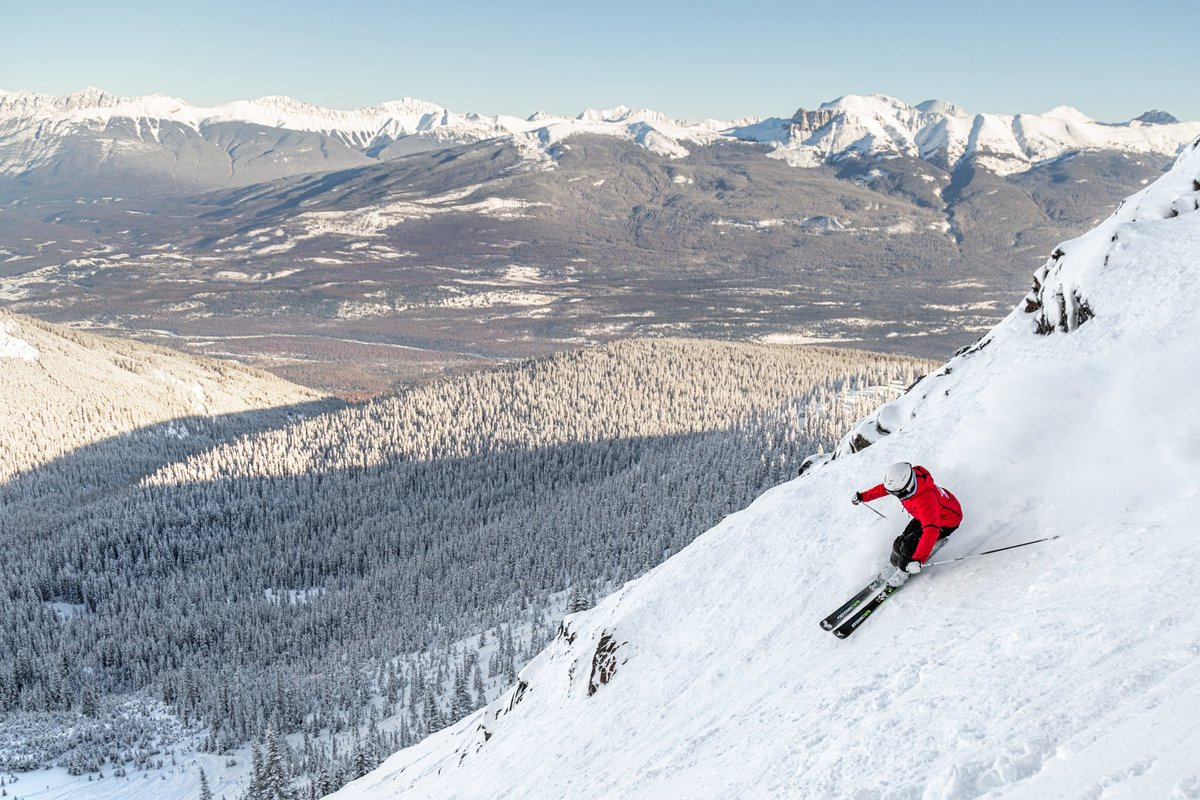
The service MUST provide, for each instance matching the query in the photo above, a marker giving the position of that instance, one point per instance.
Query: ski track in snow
(1063, 670)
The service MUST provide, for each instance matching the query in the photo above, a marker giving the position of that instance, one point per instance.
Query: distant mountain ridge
(946, 134)
(248, 141)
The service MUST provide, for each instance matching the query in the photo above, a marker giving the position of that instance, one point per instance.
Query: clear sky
(705, 58)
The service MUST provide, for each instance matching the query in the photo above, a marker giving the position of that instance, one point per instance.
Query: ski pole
(986, 552)
(880, 513)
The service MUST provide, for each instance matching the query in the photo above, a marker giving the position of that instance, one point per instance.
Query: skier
(936, 514)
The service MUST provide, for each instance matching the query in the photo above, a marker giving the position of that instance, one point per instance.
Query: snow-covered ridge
(29, 117)
(33, 126)
(94, 109)
(709, 678)
(1061, 298)
(944, 133)
(62, 390)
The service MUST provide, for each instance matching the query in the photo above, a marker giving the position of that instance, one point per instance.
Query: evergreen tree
(276, 783)
(578, 601)
(462, 704)
(324, 780)
(205, 792)
(432, 715)
(89, 703)
(257, 788)
(361, 762)
(477, 684)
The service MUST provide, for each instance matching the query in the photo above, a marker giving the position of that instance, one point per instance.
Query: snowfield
(13, 347)
(1067, 669)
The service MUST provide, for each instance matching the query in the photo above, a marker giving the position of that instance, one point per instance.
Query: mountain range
(249, 141)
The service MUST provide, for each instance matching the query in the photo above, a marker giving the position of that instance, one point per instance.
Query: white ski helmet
(900, 479)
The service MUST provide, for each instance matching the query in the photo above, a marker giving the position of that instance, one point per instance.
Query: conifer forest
(331, 582)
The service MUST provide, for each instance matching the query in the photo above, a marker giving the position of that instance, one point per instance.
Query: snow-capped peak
(409, 106)
(14, 103)
(1069, 113)
(941, 107)
(602, 115)
(881, 126)
(623, 114)
(1156, 117)
(872, 104)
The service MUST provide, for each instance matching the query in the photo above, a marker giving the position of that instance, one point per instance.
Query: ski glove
(912, 567)
(857, 498)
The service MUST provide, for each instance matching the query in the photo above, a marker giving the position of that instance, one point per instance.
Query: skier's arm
(929, 537)
(874, 493)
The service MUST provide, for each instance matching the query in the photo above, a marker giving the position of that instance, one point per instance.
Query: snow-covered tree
(205, 791)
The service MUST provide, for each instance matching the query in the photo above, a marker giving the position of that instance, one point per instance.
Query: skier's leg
(906, 544)
(902, 552)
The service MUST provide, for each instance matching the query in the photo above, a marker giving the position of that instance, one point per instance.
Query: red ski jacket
(931, 505)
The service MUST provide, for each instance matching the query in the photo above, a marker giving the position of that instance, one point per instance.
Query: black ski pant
(906, 543)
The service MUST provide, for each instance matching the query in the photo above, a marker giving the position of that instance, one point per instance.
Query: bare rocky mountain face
(352, 250)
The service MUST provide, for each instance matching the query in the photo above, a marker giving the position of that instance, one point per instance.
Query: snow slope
(61, 390)
(13, 347)
(1062, 670)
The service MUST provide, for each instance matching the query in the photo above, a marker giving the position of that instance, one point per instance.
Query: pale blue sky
(1111, 59)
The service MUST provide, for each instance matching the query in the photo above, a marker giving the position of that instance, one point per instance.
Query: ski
(843, 611)
(851, 625)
